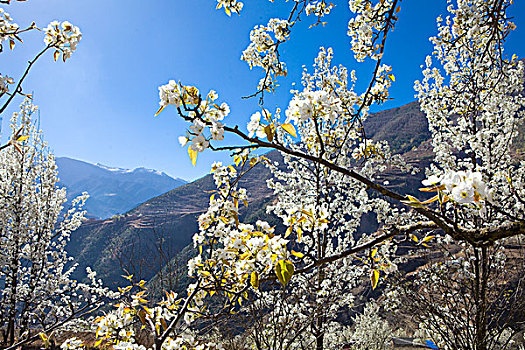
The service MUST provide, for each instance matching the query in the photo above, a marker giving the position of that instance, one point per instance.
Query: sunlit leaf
(22, 138)
(374, 278)
(428, 238)
(298, 254)
(254, 279)
(193, 155)
(289, 128)
(160, 110)
(288, 231)
(284, 270)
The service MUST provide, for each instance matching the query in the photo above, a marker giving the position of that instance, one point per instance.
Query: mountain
(132, 240)
(112, 190)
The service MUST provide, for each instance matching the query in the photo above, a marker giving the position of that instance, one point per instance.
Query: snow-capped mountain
(112, 190)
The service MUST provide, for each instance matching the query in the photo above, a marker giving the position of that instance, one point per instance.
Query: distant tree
(37, 294)
(456, 292)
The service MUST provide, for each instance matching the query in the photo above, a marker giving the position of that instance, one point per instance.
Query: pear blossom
(255, 126)
(7, 27)
(63, 36)
(5, 81)
(199, 143)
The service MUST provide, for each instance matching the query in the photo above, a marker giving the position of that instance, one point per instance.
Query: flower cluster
(116, 328)
(230, 6)
(366, 26)
(477, 102)
(463, 187)
(238, 252)
(205, 114)
(319, 8)
(7, 27)
(262, 51)
(310, 104)
(255, 126)
(382, 83)
(72, 344)
(4, 81)
(62, 36)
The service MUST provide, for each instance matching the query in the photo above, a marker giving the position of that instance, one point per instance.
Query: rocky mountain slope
(112, 190)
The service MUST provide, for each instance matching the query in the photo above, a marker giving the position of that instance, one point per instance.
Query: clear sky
(99, 105)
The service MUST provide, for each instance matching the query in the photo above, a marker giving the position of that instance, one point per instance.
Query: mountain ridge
(112, 190)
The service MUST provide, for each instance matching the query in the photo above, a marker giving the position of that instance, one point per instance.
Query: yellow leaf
(193, 155)
(392, 77)
(160, 110)
(299, 233)
(288, 231)
(227, 10)
(433, 199)
(12, 44)
(298, 254)
(98, 342)
(128, 277)
(289, 128)
(237, 159)
(427, 238)
(374, 278)
(254, 279)
(414, 237)
(284, 270)
(374, 252)
(412, 201)
(22, 138)
(56, 55)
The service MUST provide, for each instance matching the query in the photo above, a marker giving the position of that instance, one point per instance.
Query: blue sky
(99, 105)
